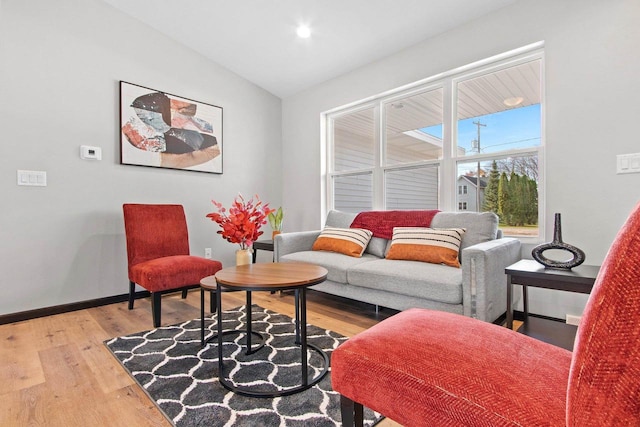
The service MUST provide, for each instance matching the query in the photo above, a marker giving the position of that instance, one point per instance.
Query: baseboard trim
(81, 305)
(501, 319)
(65, 308)
(519, 315)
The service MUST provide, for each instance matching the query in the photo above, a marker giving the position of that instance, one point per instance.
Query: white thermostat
(90, 153)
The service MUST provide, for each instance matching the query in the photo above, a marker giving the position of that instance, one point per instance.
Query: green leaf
(275, 219)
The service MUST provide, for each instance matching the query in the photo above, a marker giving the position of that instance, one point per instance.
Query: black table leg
(296, 300)
(525, 301)
(303, 335)
(219, 310)
(201, 317)
(249, 349)
(509, 302)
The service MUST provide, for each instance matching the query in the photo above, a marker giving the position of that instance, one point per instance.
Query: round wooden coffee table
(272, 277)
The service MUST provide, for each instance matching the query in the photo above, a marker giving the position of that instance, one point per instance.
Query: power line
(513, 142)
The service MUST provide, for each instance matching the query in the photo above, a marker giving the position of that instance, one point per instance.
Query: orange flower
(243, 221)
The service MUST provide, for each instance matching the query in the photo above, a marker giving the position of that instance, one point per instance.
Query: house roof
(474, 181)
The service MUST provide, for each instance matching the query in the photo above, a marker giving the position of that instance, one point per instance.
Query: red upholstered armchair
(429, 368)
(158, 253)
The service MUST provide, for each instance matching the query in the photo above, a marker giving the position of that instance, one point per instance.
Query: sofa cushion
(347, 241)
(434, 245)
(481, 227)
(339, 219)
(377, 246)
(420, 279)
(335, 263)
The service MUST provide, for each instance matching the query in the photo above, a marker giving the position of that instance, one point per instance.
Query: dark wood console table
(263, 245)
(531, 273)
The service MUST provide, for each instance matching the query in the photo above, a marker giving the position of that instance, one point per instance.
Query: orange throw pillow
(433, 245)
(347, 241)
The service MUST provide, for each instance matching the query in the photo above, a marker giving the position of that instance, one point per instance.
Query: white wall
(60, 63)
(592, 86)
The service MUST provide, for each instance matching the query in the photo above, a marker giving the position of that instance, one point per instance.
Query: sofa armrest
(287, 243)
(484, 283)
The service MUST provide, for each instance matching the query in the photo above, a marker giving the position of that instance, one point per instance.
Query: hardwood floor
(55, 371)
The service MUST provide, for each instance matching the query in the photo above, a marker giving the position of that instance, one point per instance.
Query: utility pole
(478, 207)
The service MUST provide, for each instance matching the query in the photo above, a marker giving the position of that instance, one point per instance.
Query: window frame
(448, 163)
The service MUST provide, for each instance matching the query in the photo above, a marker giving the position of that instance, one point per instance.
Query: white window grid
(448, 164)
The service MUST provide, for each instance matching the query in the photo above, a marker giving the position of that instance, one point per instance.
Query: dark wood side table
(531, 273)
(262, 245)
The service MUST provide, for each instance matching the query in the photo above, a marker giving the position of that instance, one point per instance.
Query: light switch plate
(32, 178)
(628, 163)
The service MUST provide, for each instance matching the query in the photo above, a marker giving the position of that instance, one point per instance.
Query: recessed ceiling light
(303, 31)
(513, 102)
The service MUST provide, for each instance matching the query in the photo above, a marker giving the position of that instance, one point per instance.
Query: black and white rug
(182, 378)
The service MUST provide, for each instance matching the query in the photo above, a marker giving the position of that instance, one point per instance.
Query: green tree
(503, 196)
(522, 201)
(517, 199)
(491, 190)
(532, 202)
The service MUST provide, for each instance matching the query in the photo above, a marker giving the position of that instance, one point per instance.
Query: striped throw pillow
(347, 241)
(433, 245)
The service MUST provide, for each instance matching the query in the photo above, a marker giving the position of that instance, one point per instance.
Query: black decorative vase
(578, 254)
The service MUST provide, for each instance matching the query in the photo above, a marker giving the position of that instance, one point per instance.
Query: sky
(506, 130)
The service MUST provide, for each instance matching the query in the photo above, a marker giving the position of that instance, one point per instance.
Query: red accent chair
(158, 253)
(429, 368)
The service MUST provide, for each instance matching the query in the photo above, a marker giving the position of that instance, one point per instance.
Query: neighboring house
(467, 193)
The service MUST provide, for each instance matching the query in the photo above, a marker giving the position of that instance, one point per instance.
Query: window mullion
(378, 171)
(447, 191)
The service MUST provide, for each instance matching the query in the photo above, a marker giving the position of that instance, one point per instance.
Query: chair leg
(352, 412)
(213, 301)
(359, 412)
(132, 292)
(155, 308)
(184, 293)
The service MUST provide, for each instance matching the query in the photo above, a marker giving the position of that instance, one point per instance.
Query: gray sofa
(477, 289)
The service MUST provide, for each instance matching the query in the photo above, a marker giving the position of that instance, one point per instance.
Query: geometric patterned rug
(182, 378)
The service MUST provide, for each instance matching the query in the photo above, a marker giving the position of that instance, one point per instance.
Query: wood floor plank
(105, 369)
(20, 367)
(64, 370)
(23, 407)
(133, 408)
(118, 320)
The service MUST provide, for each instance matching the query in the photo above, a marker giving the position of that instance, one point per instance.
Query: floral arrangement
(241, 224)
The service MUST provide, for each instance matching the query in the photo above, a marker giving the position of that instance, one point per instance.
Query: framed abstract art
(162, 130)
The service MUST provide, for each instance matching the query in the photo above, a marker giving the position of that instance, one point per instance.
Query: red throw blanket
(381, 223)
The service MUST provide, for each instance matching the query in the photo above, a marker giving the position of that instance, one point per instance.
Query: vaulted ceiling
(257, 38)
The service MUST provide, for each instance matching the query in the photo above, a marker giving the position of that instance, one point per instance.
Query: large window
(469, 141)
